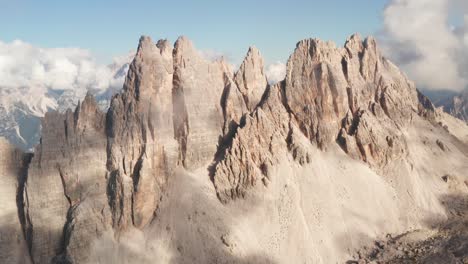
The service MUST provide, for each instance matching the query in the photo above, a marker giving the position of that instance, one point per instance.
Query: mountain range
(21, 108)
(195, 163)
(455, 104)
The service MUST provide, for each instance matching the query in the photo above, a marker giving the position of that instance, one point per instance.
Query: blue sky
(109, 28)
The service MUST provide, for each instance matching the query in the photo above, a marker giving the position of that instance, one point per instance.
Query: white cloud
(22, 64)
(28, 73)
(418, 36)
(276, 72)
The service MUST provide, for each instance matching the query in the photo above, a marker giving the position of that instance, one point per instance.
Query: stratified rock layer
(66, 187)
(197, 92)
(352, 96)
(141, 146)
(96, 175)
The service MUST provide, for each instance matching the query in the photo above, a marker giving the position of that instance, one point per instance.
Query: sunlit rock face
(351, 96)
(194, 163)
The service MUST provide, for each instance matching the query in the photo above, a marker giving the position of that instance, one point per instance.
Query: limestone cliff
(189, 146)
(14, 248)
(352, 96)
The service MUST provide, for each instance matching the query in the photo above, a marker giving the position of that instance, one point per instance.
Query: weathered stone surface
(13, 246)
(66, 175)
(142, 149)
(381, 102)
(233, 105)
(315, 89)
(198, 115)
(255, 147)
(94, 172)
(352, 96)
(244, 91)
(323, 83)
(250, 78)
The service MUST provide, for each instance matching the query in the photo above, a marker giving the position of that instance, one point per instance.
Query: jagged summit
(251, 79)
(193, 154)
(144, 42)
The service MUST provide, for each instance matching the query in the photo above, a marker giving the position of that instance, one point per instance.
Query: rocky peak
(330, 95)
(69, 141)
(183, 48)
(145, 43)
(315, 89)
(88, 106)
(456, 105)
(354, 44)
(87, 113)
(148, 59)
(178, 109)
(141, 135)
(165, 47)
(316, 50)
(198, 88)
(251, 79)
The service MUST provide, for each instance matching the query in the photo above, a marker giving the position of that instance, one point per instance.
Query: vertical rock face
(250, 78)
(381, 102)
(233, 106)
(352, 89)
(66, 188)
(255, 147)
(96, 172)
(198, 116)
(351, 96)
(243, 91)
(142, 149)
(13, 246)
(315, 89)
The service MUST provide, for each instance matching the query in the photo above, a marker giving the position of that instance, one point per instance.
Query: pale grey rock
(233, 106)
(142, 149)
(243, 91)
(352, 96)
(251, 79)
(94, 173)
(47, 210)
(198, 115)
(381, 102)
(66, 178)
(13, 245)
(255, 147)
(315, 89)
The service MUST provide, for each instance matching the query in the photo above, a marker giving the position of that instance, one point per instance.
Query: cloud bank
(22, 64)
(431, 46)
(29, 73)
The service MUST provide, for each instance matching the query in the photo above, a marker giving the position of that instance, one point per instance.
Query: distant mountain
(451, 102)
(193, 163)
(457, 105)
(21, 109)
